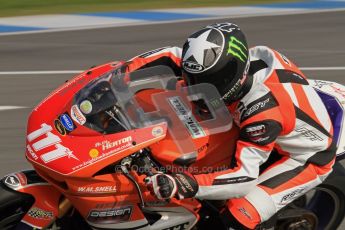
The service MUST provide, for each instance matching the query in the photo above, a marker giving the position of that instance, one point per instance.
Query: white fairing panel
(173, 218)
(333, 96)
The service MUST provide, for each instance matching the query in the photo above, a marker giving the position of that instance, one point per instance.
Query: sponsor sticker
(97, 189)
(237, 49)
(257, 133)
(186, 116)
(193, 67)
(77, 115)
(113, 144)
(232, 91)
(320, 84)
(49, 140)
(107, 216)
(255, 107)
(67, 122)
(245, 213)
(59, 127)
(185, 184)
(32, 153)
(40, 214)
(291, 196)
(103, 154)
(94, 153)
(15, 180)
(86, 106)
(12, 181)
(309, 134)
(157, 131)
(22, 179)
(256, 130)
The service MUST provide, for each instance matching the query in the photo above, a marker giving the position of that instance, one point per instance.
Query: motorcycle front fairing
(70, 149)
(63, 140)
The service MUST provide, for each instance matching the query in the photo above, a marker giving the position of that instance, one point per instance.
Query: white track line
(9, 107)
(323, 68)
(2, 108)
(51, 72)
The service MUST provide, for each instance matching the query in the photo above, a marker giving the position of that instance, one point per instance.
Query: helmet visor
(221, 79)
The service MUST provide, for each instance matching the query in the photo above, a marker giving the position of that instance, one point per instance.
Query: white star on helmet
(197, 46)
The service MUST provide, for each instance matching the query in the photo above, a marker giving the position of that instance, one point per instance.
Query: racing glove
(165, 186)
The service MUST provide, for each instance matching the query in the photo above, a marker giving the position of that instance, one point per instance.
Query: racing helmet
(218, 55)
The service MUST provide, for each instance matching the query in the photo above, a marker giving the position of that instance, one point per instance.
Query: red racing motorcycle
(93, 141)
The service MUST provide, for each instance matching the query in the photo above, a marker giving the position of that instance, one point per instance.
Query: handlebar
(146, 166)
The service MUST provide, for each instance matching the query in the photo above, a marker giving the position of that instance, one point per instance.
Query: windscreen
(192, 112)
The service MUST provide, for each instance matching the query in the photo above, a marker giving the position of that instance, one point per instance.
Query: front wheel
(13, 206)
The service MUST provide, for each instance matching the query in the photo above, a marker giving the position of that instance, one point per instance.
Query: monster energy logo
(236, 49)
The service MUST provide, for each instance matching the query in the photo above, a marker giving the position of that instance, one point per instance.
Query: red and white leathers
(280, 112)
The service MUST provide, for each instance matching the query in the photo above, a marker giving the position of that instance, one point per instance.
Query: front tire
(13, 206)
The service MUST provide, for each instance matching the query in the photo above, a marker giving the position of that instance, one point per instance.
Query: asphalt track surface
(311, 40)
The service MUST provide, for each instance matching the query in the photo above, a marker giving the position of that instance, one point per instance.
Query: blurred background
(35, 7)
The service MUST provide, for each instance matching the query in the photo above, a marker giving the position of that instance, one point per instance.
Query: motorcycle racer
(276, 110)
